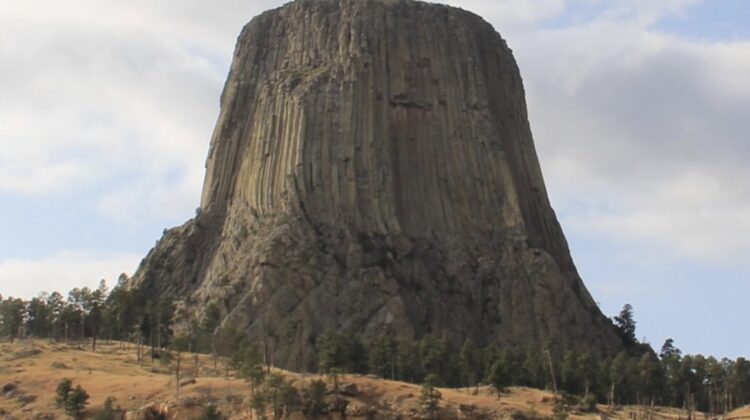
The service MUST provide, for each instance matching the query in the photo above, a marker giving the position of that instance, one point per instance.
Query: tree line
(122, 314)
(637, 375)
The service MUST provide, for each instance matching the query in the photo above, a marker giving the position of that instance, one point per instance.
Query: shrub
(63, 391)
(429, 397)
(560, 410)
(108, 410)
(588, 403)
(210, 412)
(314, 398)
(76, 402)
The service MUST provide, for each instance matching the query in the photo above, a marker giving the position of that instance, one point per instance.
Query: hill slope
(31, 370)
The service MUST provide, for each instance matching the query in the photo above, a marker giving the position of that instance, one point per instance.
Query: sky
(639, 110)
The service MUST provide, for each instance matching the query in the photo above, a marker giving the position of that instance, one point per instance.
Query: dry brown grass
(37, 366)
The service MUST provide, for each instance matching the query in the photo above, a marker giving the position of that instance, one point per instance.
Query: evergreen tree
(12, 311)
(165, 311)
(409, 365)
(343, 352)
(586, 368)
(435, 356)
(274, 386)
(76, 402)
(650, 379)
(38, 317)
(471, 364)
(208, 325)
(63, 391)
(122, 311)
(429, 397)
(668, 350)
(533, 368)
(314, 398)
(258, 404)
(739, 381)
(671, 365)
(619, 378)
(382, 357)
(716, 385)
(93, 304)
(625, 323)
(74, 313)
(290, 398)
(210, 412)
(249, 363)
(500, 375)
(108, 411)
(570, 374)
(55, 306)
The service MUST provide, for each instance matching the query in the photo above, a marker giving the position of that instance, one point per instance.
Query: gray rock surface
(373, 171)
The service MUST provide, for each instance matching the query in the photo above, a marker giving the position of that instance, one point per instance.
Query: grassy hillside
(30, 371)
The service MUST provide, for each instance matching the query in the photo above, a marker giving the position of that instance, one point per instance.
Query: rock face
(373, 171)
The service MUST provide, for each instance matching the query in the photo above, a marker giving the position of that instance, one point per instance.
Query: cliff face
(373, 171)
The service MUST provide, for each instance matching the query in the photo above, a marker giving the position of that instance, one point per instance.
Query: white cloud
(513, 13)
(112, 96)
(62, 272)
(642, 136)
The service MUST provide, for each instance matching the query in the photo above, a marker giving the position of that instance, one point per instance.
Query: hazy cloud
(62, 271)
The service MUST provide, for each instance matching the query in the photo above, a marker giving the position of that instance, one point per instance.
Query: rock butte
(372, 171)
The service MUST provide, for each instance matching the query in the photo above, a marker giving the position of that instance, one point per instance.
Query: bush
(588, 403)
(560, 410)
(108, 410)
(210, 412)
(165, 357)
(429, 397)
(314, 398)
(339, 405)
(63, 391)
(76, 402)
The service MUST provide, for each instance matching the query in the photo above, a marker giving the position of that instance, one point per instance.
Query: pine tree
(500, 376)
(210, 412)
(290, 398)
(38, 317)
(63, 391)
(55, 305)
(314, 398)
(274, 386)
(533, 368)
(625, 323)
(409, 365)
(108, 410)
(620, 378)
(208, 325)
(93, 304)
(470, 364)
(586, 367)
(429, 397)
(76, 402)
(12, 311)
(572, 382)
(258, 404)
(650, 379)
(668, 350)
(250, 365)
(382, 357)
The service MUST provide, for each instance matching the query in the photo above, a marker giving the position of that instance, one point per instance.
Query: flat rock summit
(372, 171)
